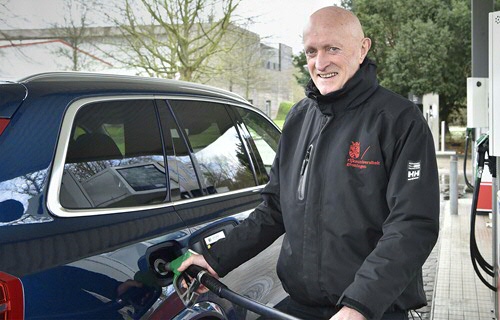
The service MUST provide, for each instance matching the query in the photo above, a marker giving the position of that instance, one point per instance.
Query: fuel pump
(482, 147)
(494, 127)
(483, 115)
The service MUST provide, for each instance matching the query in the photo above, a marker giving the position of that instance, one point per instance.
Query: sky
(282, 21)
(276, 21)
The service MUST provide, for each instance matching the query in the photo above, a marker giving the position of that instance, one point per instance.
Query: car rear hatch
(13, 95)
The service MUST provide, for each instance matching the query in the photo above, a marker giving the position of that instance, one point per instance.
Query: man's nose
(322, 61)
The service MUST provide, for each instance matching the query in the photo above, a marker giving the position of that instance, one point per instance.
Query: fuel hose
(476, 256)
(224, 292)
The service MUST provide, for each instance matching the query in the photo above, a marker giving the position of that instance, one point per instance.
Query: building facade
(260, 73)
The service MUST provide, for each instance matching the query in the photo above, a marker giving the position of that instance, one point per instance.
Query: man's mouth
(328, 75)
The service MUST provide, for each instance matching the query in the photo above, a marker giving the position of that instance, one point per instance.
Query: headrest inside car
(93, 147)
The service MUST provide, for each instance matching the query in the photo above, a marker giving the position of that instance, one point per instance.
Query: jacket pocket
(304, 169)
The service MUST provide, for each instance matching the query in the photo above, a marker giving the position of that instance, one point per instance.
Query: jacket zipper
(303, 173)
(305, 163)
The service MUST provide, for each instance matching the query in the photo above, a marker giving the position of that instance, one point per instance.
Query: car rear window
(115, 157)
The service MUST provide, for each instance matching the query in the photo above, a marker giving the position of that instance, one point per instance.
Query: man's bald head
(334, 18)
(335, 46)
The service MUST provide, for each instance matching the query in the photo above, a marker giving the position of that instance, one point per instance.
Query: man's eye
(333, 49)
(310, 53)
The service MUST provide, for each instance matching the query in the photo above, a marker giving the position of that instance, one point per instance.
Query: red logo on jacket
(355, 161)
(354, 150)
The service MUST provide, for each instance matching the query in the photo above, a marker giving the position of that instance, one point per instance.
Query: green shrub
(285, 106)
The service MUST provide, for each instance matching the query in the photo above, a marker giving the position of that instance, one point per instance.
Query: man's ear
(366, 44)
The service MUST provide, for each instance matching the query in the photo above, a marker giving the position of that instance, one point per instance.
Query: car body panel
(90, 262)
(13, 94)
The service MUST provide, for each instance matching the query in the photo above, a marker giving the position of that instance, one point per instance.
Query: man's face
(333, 55)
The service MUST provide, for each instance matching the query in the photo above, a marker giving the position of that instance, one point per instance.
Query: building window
(268, 107)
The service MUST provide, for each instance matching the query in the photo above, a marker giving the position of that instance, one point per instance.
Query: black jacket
(355, 189)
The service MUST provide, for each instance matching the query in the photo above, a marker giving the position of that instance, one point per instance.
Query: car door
(231, 174)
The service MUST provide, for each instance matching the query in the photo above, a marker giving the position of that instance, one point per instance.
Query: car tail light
(11, 297)
(3, 125)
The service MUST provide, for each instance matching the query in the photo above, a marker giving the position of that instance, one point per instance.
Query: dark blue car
(101, 173)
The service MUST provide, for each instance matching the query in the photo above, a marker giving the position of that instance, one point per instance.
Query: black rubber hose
(224, 292)
(476, 256)
(467, 138)
(255, 306)
(475, 253)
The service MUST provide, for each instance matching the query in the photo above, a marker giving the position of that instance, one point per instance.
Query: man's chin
(326, 86)
(324, 90)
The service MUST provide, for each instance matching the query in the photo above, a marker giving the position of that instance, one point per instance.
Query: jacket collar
(355, 91)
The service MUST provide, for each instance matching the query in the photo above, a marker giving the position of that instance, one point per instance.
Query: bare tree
(240, 69)
(178, 38)
(74, 33)
(4, 13)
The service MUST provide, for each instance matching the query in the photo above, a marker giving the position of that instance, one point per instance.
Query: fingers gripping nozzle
(187, 291)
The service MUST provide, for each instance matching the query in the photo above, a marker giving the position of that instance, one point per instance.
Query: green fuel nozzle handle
(175, 264)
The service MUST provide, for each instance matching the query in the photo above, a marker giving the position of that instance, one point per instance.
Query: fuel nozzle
(163, 267)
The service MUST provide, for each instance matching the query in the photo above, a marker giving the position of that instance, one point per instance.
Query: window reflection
(224, 163)
(265, 137)
(115, 157)
(215, 145)
(15, 197)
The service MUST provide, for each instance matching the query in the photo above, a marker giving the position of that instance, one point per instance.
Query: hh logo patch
(413, 170)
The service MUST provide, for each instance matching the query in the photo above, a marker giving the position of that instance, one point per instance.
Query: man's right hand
(198, 260)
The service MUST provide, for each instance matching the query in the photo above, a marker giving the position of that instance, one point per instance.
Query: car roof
(101, 83)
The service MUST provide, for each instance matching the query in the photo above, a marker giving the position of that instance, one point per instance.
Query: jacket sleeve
(262, 227)
(411, 228)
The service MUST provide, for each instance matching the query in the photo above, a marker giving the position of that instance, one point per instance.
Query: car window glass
(264, 134)
(215, 146)
(115, 157)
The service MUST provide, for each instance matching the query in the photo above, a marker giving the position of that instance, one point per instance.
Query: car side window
(215, 146)
(264, 135)
(115, 157)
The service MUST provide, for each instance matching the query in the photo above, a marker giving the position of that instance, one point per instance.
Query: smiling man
(354, 188)
(334, 48)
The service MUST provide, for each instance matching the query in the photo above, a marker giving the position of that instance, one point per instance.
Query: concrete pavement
(454, 292)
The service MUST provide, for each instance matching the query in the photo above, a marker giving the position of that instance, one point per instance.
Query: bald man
(354, 188)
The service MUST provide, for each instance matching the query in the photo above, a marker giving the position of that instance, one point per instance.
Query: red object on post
(484, 201)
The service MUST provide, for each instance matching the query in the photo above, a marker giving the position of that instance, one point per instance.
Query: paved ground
(453, 290)
(459, 294)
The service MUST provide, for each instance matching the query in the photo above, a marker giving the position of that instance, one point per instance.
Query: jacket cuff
(348, 302)
(213, 262)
